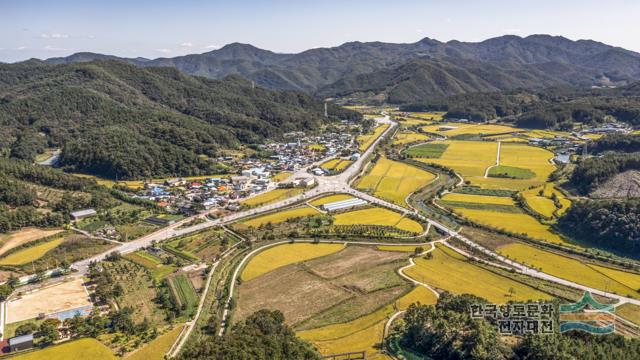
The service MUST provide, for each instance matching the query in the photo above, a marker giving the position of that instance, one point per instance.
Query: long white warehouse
(343, 204)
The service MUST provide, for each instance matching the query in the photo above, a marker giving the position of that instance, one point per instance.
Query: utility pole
(326, 113)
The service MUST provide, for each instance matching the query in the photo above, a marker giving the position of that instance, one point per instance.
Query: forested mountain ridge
(557, 107)
(118, 120)
(511, 62)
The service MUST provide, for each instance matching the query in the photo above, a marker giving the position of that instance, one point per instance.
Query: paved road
(340, 183)
(326, 184)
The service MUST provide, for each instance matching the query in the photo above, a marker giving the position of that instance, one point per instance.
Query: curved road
(331, 184)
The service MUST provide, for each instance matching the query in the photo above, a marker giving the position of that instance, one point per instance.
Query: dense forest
(554, 108)
(447, 331)
(616, 142)
(262, 336)
(20, 206)
(613, 224)
(118, 120)
(592, 172)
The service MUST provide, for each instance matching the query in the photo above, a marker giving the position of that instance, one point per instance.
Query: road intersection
(337, 184)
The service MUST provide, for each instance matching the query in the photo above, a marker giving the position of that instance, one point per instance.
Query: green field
(511, 172)
(185, 293)
(152, 263)
(430, 151)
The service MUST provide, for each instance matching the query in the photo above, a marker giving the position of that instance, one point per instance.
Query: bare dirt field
(290, 289)
(24, 236)
(623, 185)
(351, 259)
(335, 288)
(60, 297)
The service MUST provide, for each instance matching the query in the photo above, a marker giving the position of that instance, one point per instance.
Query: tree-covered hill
(118, 120)
(557, 107)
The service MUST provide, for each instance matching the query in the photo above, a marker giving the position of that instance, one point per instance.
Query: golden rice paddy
(31, 253)
(394, 181)
(479, 199)
(281, 216)
(518, 223)
(336, 164)
(407, 138)
(330, 199)
(282, 255)
(378, 216)
(599, 277)
(366, 140)
(451, 272)
(272, 196)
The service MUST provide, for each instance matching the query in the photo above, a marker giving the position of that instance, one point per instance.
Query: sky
(162, 28)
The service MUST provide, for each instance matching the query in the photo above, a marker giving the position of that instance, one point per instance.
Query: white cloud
(186, 44)
(212, 47)
(164, 51)
(21, 48)
(54, 36)
(53, 48)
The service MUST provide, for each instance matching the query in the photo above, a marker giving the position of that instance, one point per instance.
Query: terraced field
(450, 271)
(281, 216)
(598, 277)
(394, 181)
(282, 255)
(272, 196)
(378, 216)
